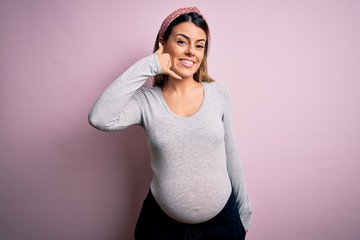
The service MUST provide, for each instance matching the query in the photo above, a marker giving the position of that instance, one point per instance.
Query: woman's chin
(185, 74)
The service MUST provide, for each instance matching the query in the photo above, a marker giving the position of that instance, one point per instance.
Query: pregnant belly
(192, 199)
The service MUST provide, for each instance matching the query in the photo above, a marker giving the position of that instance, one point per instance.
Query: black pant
(155, 224)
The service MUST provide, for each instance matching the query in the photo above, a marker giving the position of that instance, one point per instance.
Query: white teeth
(187, 62)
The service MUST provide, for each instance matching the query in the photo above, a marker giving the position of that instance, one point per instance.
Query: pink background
(293, 70)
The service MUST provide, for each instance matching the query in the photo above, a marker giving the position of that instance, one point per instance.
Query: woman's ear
(163, 42)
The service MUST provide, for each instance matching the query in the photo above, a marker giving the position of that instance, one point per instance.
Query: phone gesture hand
(165, 62)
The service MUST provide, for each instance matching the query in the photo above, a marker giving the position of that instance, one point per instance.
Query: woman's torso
(190, 179)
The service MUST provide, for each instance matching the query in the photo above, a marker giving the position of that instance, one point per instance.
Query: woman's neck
(180, 85)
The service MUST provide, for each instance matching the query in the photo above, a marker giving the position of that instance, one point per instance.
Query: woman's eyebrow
(183, 35)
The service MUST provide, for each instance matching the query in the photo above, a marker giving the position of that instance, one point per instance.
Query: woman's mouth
(187, 63)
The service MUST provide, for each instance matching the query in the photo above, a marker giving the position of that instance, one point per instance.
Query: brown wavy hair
(201, 74)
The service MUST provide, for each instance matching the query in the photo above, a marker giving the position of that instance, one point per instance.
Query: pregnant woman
(198, 189)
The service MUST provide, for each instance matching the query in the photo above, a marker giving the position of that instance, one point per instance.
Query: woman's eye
(181, 42)
(199, 46)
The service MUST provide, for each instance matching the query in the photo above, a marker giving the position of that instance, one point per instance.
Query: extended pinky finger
(174, 75)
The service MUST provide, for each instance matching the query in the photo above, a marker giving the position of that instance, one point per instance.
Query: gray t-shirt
(194, 160)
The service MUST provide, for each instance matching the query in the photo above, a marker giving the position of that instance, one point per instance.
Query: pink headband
(177, 13)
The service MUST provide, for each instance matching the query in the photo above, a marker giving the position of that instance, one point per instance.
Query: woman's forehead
(189, 29)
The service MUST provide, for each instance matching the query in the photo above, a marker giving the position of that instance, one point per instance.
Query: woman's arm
(117, 108)
(234, 165)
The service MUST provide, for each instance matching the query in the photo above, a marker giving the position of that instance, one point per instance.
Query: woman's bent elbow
(102, 124)
(95, 122)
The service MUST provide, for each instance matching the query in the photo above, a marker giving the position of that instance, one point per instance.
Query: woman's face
(186, 46)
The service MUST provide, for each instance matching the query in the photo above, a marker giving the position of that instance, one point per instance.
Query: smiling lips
(187, 63)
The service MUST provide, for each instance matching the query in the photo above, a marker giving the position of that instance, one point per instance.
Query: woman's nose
(190, 51)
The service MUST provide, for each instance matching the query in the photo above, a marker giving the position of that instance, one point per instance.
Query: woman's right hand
(165, 62)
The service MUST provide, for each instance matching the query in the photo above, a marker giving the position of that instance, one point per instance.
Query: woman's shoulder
(148, 91)
(217, 87)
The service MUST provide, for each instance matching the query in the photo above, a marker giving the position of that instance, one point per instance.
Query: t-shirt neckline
(184, 117)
